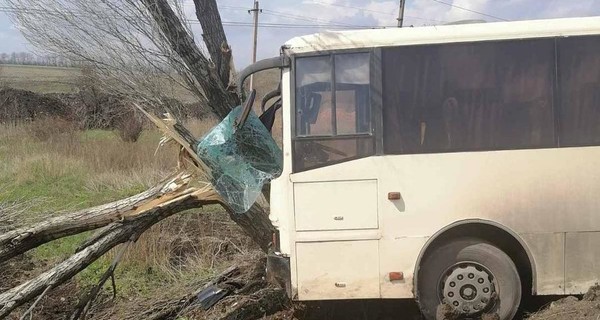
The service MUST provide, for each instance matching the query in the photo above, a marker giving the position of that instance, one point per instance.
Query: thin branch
(30, 310)
(86, 303)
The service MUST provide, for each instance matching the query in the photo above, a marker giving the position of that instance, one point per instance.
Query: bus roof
(354, 39)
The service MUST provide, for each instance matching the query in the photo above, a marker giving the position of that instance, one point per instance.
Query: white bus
(454, 165)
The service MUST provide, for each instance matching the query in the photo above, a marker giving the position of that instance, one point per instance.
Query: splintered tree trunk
(214, 37)
(124, 220)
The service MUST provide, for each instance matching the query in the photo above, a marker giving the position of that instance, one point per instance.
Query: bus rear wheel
(467, 278)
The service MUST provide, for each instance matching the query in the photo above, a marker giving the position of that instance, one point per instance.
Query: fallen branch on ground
(21, 240)
(122, 232)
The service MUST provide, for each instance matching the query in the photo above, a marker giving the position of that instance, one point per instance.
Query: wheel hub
(468, 288)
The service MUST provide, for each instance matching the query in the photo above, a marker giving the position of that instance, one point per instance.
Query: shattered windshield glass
(242, 160)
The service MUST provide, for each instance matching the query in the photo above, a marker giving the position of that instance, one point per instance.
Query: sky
(285, 19)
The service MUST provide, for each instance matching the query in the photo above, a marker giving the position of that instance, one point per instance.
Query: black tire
(435, 267)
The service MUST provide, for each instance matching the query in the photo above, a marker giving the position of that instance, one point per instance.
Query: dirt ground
(61, 301)
(56, 304)
(586, 308)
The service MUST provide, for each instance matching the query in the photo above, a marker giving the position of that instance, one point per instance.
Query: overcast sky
(285, 19)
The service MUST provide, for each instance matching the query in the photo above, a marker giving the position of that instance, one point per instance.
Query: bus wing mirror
(269, 96)
(268, 117)
(239, 122)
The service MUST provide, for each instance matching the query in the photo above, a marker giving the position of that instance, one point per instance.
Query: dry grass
(54, 150)
(71, 169)
(12, 213)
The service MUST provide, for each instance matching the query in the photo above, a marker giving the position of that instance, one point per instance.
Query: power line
(469, 10)
(226, 7)
(220, 6)
(305, 18)
(375, 11)
(285, 25)
(288, 15)
(353, 7)
(225, 23)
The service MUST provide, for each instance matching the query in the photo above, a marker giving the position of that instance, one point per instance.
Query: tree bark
(122, 232)
(126, 219)
(256, 224)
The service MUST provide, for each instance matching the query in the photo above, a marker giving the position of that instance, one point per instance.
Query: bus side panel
(540, 194)
(341, 205)
(548, 251)
(582, 261)
(401, 253)
(338, 270)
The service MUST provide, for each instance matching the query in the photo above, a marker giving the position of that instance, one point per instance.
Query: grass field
(40, 79)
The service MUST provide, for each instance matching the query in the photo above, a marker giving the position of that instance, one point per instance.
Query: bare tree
(135, 46)
(119, 38)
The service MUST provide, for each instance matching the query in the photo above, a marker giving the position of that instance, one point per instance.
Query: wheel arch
(495, 233)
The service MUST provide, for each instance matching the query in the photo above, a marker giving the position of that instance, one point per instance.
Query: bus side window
(333, 110)
(468, 96)
(579, 70)
(352, 93)
(314, 105)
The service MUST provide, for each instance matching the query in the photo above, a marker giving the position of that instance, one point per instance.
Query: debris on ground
(586, 308)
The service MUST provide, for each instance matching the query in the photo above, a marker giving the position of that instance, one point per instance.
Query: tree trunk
(126, 219)
(214, 37)
(256, 221)
(256, 224)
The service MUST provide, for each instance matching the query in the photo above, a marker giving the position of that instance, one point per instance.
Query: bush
(129, 125)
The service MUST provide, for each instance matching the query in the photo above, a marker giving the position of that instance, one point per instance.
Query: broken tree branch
(255, 222)
(62, 272)
(170, 308)
(220, 100)
(15, 242)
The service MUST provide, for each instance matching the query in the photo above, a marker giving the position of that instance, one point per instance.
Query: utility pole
(401, 13)
(256, 10)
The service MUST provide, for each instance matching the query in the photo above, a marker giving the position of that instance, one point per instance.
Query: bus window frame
(375, 100)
